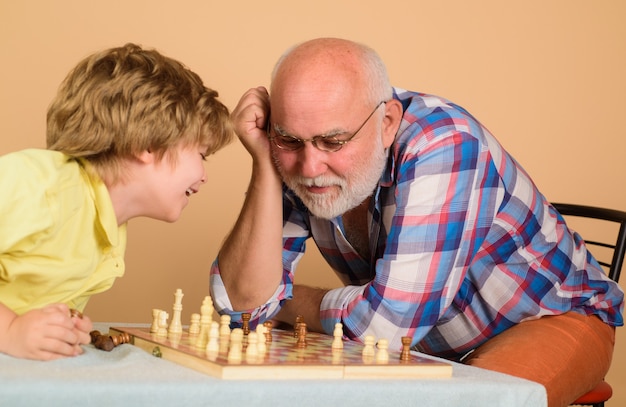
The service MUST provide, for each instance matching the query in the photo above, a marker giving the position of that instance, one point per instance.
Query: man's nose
(312, 161)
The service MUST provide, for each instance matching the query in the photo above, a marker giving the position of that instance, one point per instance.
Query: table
(130, 376)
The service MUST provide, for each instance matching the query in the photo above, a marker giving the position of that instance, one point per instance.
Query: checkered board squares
(284, 360)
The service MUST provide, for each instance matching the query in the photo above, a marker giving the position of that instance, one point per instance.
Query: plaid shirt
(463, 245)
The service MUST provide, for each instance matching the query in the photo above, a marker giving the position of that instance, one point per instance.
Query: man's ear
(391, 121)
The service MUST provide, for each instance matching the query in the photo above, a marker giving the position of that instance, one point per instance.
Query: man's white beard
(346, 193)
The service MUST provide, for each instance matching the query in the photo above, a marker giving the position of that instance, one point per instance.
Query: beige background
(547, 77)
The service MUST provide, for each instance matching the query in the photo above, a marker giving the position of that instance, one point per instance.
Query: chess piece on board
(176, 327)
(302, 332)
(252, 352)
(268, 331)
(245, 318)
(194, 327)
(206, 309)
(203, 336)
(213, 347)
(337, 356)
(214, 332)
(296, 325)
(224, 329)
(337, 336)
(261, 339)
(162, 330)
(382, 356)
(236, 346)
(206, 317)
(368, 349)
(405, 355)
(155, 320)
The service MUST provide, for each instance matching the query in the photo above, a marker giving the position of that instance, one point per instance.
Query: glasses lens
(327, 143)
(287, 143)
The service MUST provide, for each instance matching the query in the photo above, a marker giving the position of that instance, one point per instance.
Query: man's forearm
(250, 260)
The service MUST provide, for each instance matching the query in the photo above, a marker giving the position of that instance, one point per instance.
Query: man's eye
(288, 141)
(329, 143)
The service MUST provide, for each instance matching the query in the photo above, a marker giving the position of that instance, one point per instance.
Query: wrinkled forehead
(322, 74)
(312, 94)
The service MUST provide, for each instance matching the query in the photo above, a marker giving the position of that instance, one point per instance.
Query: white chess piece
(213, 346)
(176, 327)
(154, 328)
(261, 339)
(207, 309)
(162, 331)
(225, 326)
(194, 327)
(382, 356)
(206, 317)
(236, 346)
(252, 352)
(368, 349)
(338, 337)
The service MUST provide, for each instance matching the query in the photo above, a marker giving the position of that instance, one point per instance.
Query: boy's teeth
(189, 192)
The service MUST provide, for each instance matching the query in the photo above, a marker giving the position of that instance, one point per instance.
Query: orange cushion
(602, 392)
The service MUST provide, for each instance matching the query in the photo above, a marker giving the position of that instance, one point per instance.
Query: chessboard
(267, 353)
(284, 359)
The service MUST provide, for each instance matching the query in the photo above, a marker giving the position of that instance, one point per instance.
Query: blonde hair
(119, 102)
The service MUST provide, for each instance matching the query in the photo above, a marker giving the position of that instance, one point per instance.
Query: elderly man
(436, 231)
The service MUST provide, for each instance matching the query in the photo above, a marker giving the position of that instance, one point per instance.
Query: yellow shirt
(59, 239)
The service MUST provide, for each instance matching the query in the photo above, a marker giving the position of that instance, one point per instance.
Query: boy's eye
(203, 156)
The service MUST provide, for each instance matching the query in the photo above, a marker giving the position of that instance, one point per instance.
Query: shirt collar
(106, 218)
(387, 178)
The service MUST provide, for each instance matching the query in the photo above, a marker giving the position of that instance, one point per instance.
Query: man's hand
(250, 118)
(306, 302)
(47, 333)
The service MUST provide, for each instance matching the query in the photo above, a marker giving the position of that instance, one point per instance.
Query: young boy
(127, 136)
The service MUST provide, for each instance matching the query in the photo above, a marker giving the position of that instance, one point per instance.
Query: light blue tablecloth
(129, 376)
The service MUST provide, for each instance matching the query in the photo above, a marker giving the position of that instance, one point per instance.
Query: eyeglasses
(328, 143)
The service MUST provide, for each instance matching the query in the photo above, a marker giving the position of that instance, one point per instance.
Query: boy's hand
(47, 333)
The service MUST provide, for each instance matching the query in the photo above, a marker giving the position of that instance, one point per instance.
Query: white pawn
(368, 349)
(261, 339)
(338, 337)
(206, 317)
(206, 309)
(252, 351)
(236, 346)
(213, 346)
(201, 340)
(225, 326)
(382, 356)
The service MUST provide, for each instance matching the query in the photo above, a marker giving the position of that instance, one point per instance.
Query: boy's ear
(146, 156)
